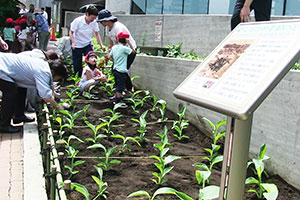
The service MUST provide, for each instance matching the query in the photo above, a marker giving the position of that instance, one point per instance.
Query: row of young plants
(66, 120)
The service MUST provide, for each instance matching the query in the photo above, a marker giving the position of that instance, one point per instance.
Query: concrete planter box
(276, 121)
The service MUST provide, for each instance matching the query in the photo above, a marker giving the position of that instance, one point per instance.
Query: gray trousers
(43, 40)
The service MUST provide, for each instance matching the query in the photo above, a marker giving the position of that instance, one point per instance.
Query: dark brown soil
(135, 170)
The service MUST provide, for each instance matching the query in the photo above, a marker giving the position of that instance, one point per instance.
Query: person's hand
(59, 107)
(245, 14)
(103, 48)
(3, 45)
(65, 106)
(73, 45)
(103, 78)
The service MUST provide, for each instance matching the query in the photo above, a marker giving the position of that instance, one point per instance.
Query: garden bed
(134, 172)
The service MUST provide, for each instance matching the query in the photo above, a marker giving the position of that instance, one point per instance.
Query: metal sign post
(236, 151)
(235, 79)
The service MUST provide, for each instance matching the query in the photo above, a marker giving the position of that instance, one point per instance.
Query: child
(9, 33)
(32, 34)
(90, 74)
(119, 54)
(22, 36)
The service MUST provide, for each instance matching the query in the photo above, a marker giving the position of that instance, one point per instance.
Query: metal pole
(236, 154)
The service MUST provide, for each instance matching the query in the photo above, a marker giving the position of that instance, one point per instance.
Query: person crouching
(90, 74)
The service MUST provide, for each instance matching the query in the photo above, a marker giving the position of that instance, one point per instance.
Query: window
(172, 6)
(154, 7)
(195, 7)
(277, 7)
(292, 7)
(138, 7)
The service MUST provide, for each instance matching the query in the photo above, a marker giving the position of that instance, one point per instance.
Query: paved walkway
(11, 166)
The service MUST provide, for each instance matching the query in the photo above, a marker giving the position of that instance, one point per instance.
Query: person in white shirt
(19, 72)
(23, 10)
(115, 27)
(44, 13)
(90, 75)
(64, 47)
(81, 32)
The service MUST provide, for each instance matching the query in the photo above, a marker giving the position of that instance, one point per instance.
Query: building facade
(279, 7)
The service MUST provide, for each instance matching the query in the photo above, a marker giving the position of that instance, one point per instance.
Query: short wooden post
(53, 183)
(67, 188)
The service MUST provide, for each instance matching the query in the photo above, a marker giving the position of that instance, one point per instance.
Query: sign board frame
(244, 68)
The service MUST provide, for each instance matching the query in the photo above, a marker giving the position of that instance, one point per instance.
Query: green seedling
(105, 162)
(136, 101)
(68, 143)
(164, 140)
(84, 118)
(162, 110)
(267, 191)
(61, 127)
(163, 190)
(73, 153)
(135, 104)
(81, 189)
(209, 192)
(125, 140)
(95, 130)
(69, 118)
(89, 95)
(155, 103)
(214, 157)
(108, 120)
(134, 77)
(163, 161)
(142, 129)
(108, 86)
(181, 124)
(102, 186)
(70, 100)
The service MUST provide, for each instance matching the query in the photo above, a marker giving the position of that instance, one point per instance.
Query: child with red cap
(9, 33)
(119, 54)
(22, 36)
(90, 74)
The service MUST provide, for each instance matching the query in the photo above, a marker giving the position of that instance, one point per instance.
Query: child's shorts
(84, 84)
(120, 81)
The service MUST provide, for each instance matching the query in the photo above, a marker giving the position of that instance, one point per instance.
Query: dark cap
(105, 15)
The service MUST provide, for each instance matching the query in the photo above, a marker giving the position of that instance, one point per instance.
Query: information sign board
(244, 68)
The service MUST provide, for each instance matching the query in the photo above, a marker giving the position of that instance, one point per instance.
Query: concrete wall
(201, 33)
(276, 121)
(118, 6)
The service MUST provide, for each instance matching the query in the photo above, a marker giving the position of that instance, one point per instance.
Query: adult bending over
(81, 32)
(19, 72)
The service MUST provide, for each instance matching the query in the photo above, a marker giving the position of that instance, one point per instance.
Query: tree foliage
(9, 10)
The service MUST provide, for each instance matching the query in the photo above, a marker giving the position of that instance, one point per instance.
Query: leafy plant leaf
(81, 189)
(209, 192)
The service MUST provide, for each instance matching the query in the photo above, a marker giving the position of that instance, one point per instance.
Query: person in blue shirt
(43, 30)
(119, 54)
